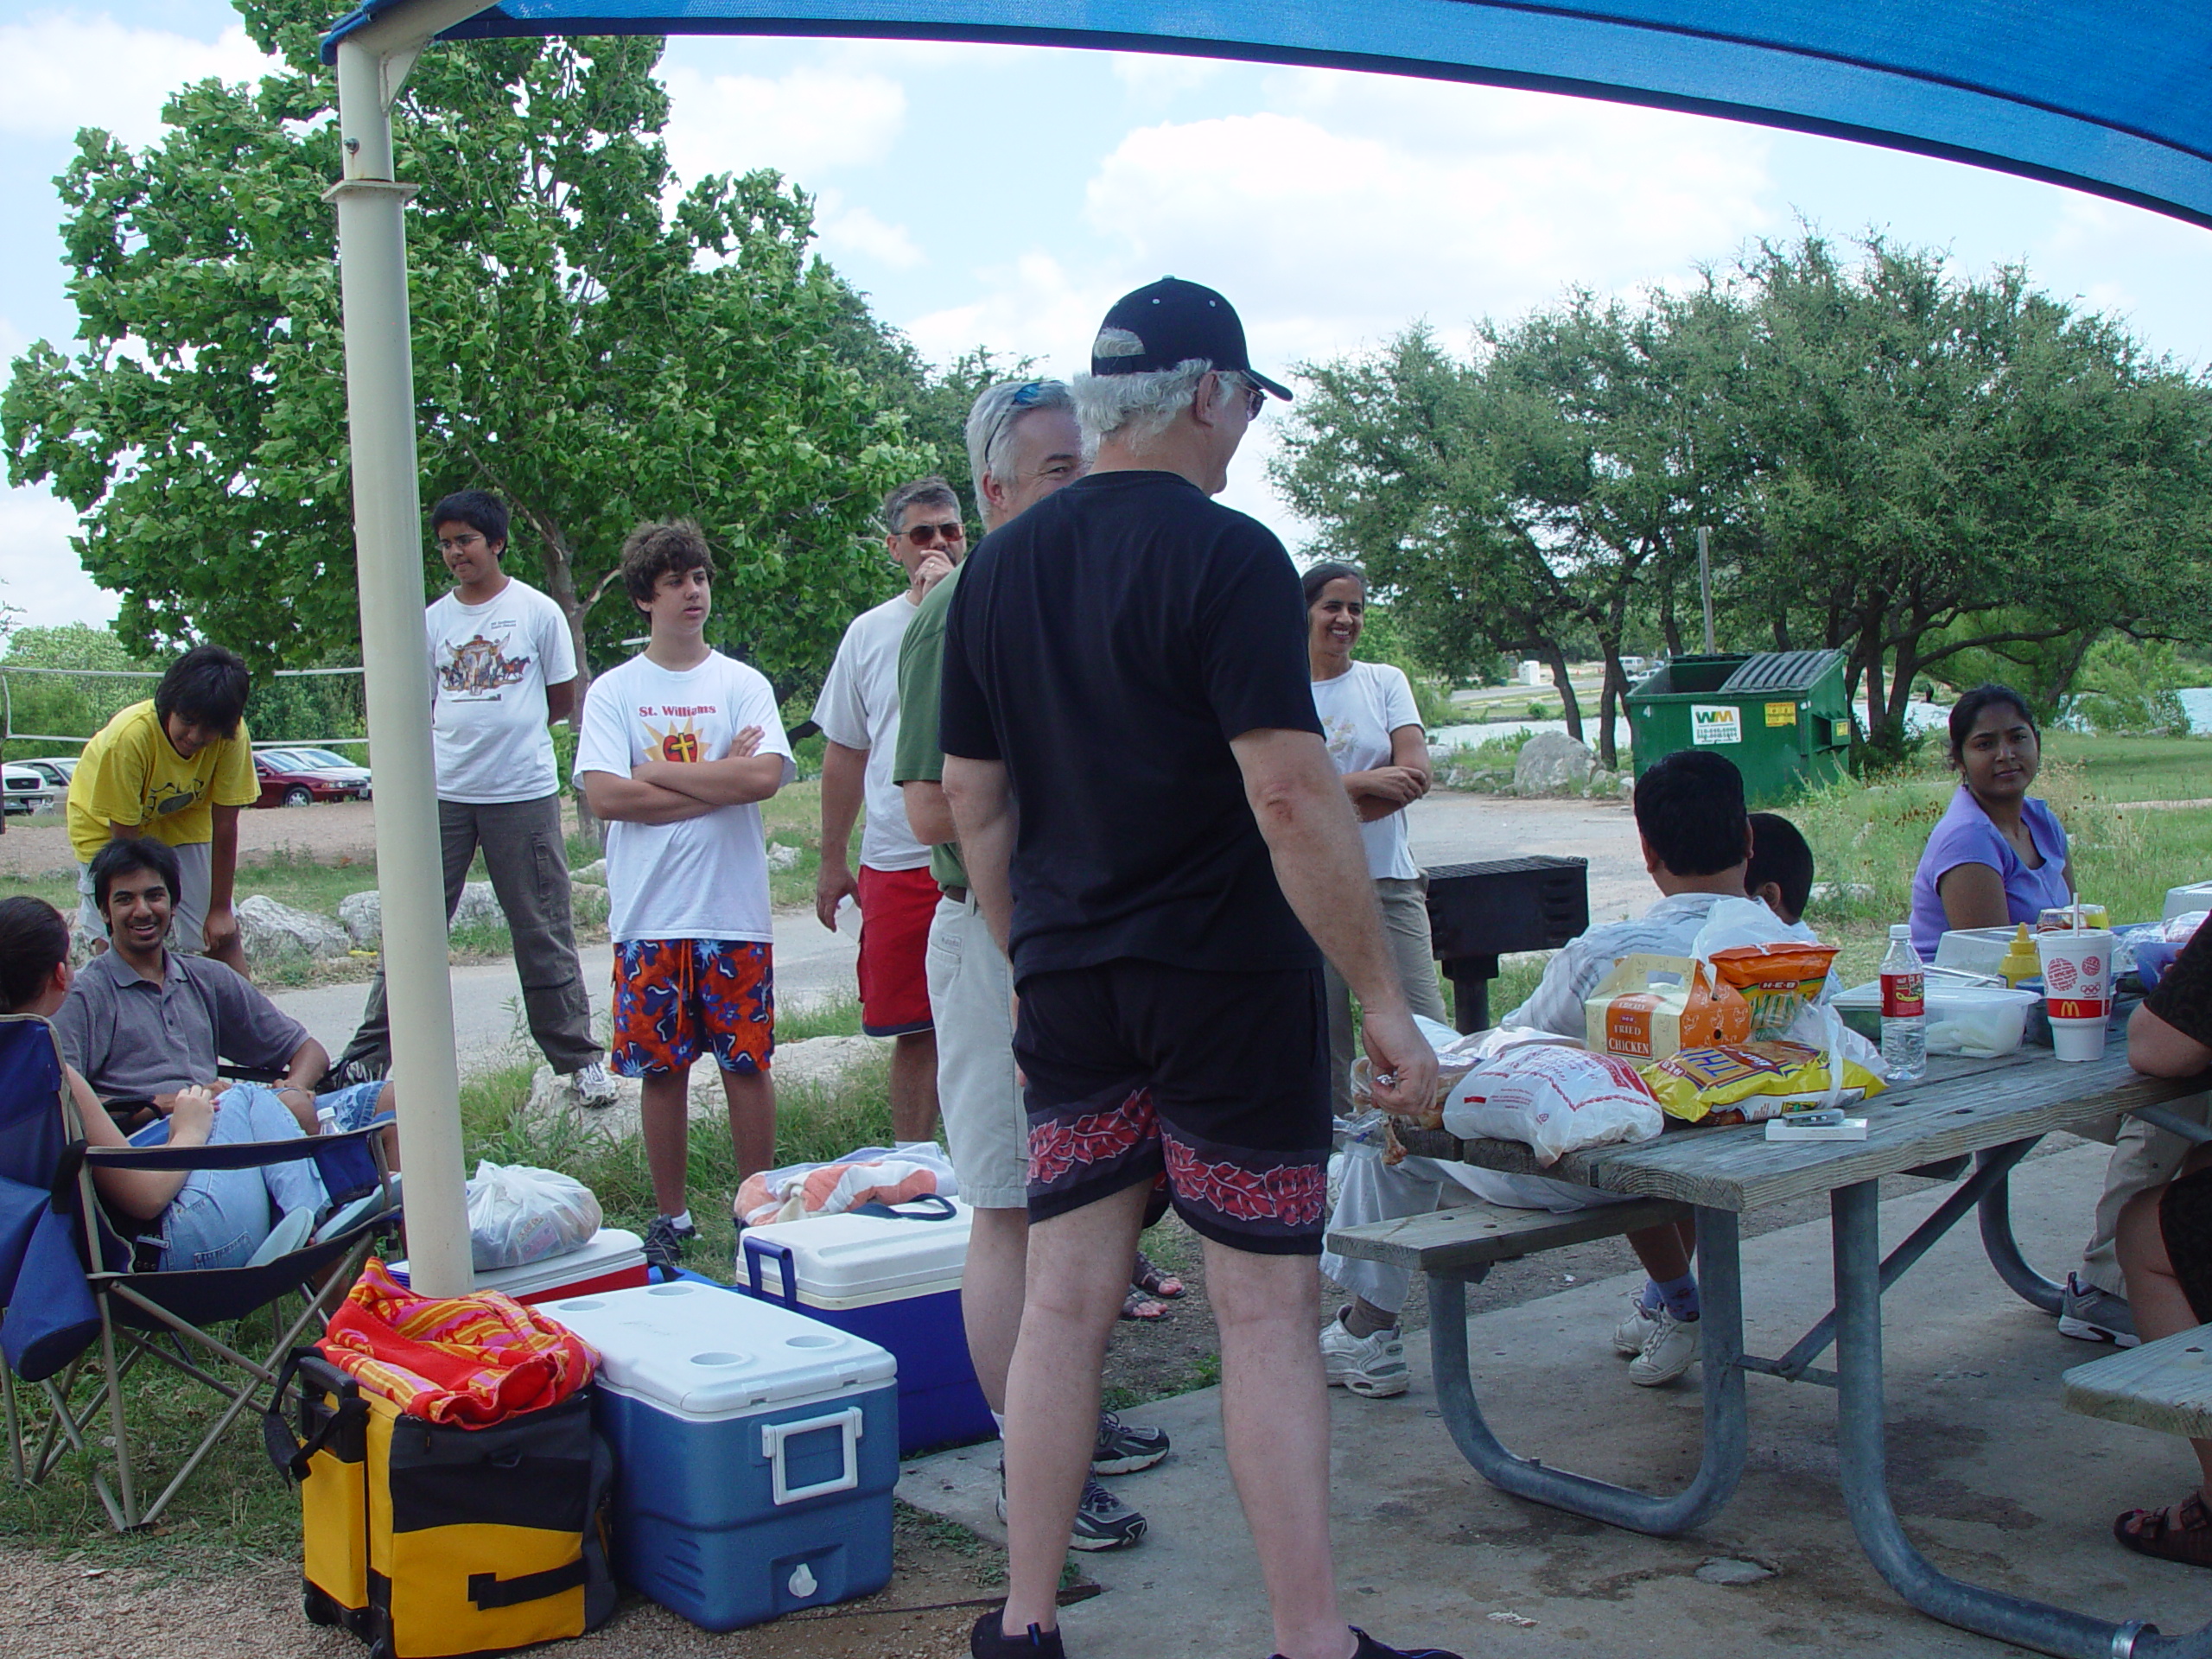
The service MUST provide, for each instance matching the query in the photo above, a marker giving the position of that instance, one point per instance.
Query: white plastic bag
(1554, 1100)
(517, 1214)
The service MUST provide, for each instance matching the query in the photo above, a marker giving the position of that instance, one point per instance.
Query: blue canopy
(2113, 99)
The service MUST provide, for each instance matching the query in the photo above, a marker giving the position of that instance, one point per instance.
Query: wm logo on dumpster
(1712, 724)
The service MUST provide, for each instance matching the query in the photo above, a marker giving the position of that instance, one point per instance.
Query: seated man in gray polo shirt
(142, 1021)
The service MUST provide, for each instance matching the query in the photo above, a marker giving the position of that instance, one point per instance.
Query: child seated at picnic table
(1699, 846)
(2164, 1235)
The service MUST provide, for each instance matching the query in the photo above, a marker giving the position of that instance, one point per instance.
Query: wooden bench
(2165, 1385)
(1464, 1236)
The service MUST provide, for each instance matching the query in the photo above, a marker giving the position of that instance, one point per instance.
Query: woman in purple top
(1999, 855)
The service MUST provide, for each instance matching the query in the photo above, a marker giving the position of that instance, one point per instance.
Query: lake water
(2195, 700)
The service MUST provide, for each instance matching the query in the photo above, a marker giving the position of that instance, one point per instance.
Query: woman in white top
(1373, 730)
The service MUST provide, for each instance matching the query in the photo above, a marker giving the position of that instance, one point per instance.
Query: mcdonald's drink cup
(2077, 990)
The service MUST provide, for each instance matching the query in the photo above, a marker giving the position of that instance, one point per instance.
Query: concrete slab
(1996, 1483)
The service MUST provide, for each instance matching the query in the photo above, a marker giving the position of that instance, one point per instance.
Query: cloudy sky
(1004, 195)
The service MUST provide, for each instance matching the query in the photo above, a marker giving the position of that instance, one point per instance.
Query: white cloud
(38, 573)
(1334, 227)
(67, 72)
(857, 231)
(1156, 76)
(802, 123)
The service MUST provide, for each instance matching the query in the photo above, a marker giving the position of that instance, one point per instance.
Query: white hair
(991, 421)
(1135, 408)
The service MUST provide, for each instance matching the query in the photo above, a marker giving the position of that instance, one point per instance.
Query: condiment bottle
(2021, 960)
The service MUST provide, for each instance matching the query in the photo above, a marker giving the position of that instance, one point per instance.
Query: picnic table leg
(1720, 1290)
(2003, 1250)
(1860, 1433)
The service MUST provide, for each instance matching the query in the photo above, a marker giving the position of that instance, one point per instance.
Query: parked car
(302, 776)
(27, 789)
(56, 769)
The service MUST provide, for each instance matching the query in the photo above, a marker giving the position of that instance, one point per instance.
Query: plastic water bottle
(1904, 1008)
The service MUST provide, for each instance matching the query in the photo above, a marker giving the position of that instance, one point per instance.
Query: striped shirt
(1665, 930)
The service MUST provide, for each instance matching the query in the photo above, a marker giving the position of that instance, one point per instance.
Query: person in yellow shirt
(178, 768)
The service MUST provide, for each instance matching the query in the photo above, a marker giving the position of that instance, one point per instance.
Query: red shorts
(896, 906)
(675, 997)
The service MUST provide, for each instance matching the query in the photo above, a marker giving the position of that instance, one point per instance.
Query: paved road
(812, 963)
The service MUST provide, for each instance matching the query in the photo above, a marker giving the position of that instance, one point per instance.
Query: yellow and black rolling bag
(429, 1541)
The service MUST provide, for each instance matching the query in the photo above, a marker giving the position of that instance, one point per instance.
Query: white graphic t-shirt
(704, 878)
(859, 708)
(490, 665)
(1359, 710)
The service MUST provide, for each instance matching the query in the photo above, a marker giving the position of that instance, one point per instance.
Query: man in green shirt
(1023, 444)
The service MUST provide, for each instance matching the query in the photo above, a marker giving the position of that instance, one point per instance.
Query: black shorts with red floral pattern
(1220, 1079)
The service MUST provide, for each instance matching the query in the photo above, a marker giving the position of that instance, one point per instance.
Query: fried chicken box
(1651, 1006)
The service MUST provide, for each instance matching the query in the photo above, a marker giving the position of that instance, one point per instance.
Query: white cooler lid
(847, 1261)
(607, 1250)
(705, 1352)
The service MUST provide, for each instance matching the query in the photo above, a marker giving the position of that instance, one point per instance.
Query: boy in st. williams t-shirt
(678, 746)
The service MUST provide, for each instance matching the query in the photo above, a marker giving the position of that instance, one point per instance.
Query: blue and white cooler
(891, 1278)
(755, 1451)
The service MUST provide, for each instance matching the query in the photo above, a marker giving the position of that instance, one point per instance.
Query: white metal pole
(387, 510)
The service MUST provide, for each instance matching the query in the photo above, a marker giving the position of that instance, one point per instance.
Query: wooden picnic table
(1984, 1115)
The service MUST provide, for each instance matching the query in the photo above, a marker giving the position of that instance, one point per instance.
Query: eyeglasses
(929, 535)
(460, 544)
(1256, 399)
(1026, 396)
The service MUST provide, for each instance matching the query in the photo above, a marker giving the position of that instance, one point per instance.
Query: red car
(302, 776)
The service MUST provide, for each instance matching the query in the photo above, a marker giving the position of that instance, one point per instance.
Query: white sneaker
(1635, 1329)
(1668, 1351)
(594, 1085)
(1373, 1367)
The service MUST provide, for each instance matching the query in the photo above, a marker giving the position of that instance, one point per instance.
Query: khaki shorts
(985, 1130)
(187, 922)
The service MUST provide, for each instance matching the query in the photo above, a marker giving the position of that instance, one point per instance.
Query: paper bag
(1650, 1006)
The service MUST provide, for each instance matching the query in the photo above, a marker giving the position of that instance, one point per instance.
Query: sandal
(2182, 1532)
(1139, 1306)
(1154, 1281)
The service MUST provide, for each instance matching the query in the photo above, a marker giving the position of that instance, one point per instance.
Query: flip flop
(1154, 1281)
(2182, 1532)
(1138, 1305)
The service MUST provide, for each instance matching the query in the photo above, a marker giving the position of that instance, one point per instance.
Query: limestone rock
(588, 905)
(274, 932)
(1728, 1569)
(1552, 762)
(1840, 893)
(479, 905)
(594, 872)
(782, 857)
(363, 915)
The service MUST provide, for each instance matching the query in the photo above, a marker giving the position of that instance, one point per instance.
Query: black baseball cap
(1171, 321)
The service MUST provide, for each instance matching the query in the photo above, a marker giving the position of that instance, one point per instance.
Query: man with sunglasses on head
(1157, 835)
(503, 668)
(858, 713)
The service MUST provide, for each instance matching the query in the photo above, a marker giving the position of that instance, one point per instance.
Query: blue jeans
(221, 1216)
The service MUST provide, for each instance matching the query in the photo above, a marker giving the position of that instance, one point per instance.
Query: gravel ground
(62, 1610)
(333, 831)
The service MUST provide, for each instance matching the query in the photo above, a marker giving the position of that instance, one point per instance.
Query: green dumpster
(1781, 716)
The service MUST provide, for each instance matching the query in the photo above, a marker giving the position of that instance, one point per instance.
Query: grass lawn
(2139, 769)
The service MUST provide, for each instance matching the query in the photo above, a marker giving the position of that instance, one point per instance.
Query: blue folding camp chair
(83, 1306)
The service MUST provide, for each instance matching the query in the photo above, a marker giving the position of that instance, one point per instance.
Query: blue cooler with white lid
(755, 1451)
(891, 1277)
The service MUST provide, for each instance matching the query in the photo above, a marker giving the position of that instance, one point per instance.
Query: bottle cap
(1900, 929)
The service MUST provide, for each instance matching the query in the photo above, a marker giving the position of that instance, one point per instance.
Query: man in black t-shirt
(1155, 830)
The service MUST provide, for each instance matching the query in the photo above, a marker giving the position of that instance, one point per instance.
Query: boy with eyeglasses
(858, 713)
(503, 669)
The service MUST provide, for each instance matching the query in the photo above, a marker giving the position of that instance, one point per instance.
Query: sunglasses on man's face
(930, 534)
(1256, 398)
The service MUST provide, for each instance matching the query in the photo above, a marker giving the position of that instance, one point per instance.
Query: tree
(1528, 496)
(72, 705)
(596, 349)
(1938, 467)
